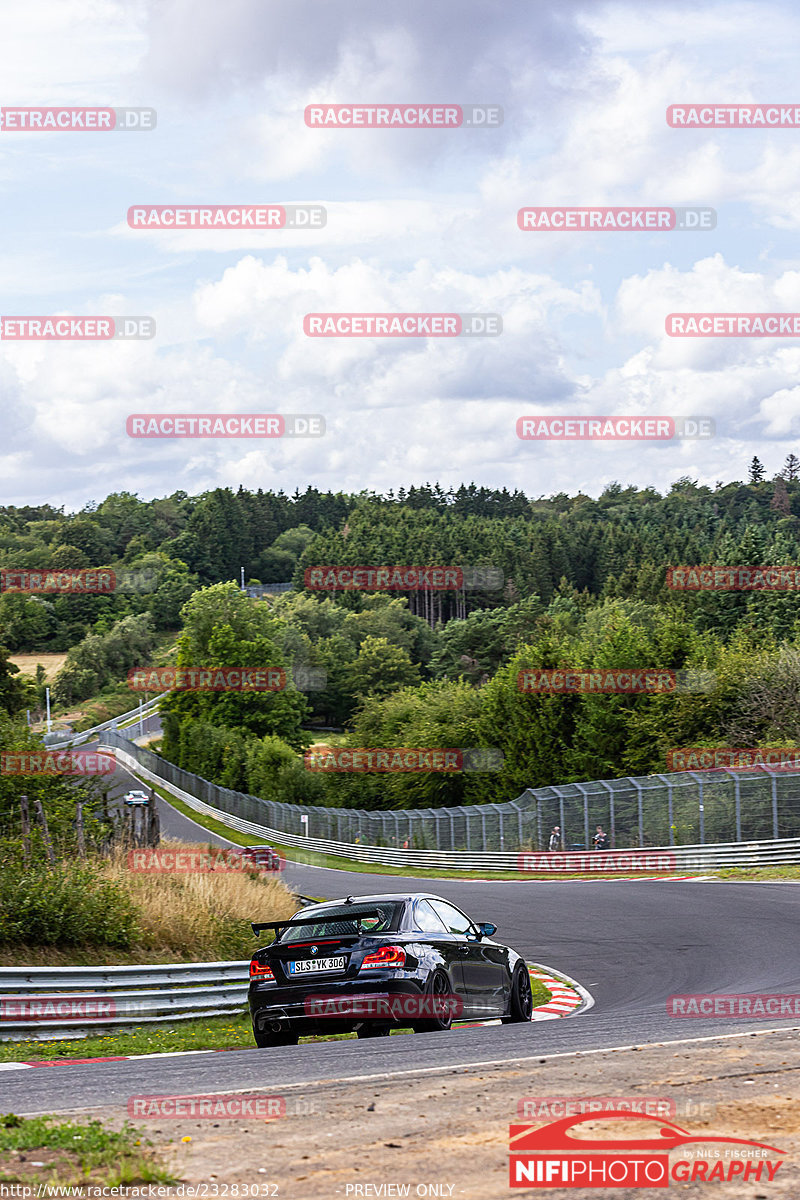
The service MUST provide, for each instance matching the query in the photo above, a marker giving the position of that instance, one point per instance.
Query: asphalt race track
(631, 944)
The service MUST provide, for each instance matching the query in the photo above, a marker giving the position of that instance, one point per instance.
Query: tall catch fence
(683, 808)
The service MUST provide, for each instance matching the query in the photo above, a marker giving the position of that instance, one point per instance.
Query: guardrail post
(638, 787)
(666, 781)
(774, 805)
(467, 815)
(539, 841)
(612, 824)
(500, 820)
(585, 795)
(561, 814)
(483, 827)
(737, 791)
(513, 804)
(701, 806)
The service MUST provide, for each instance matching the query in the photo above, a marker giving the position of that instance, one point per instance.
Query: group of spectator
(600, 841)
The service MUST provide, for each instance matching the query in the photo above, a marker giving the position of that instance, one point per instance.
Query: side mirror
(486, 929)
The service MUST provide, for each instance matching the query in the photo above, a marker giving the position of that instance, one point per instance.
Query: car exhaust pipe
(276, 1026)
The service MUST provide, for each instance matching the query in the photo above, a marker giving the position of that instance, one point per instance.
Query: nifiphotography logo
(550, 1156)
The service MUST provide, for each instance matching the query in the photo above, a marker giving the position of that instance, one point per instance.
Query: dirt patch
(450, 1129)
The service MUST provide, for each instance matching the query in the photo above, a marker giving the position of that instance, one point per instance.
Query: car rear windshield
(346, 919)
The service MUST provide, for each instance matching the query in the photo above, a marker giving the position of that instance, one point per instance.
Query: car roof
(407, 897)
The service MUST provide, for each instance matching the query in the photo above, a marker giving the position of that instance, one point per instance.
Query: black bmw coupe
(371, 964)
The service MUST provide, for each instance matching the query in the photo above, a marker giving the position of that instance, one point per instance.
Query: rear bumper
(323, 1006)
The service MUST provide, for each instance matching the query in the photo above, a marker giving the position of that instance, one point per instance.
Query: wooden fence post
(48, 845)
(153, 821)
(79, 829)
(26, 829)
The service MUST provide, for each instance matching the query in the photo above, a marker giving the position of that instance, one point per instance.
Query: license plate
(308, 966)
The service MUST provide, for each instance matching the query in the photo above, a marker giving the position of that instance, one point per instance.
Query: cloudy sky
(417, 221)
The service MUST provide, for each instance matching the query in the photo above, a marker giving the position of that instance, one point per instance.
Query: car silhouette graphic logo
(550, 1155)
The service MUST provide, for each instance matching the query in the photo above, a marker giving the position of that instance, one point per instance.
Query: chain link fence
(683, 808)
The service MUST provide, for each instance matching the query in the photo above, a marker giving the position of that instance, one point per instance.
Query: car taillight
(387, 956)
(259, 970)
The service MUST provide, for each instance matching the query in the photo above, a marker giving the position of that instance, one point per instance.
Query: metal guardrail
(268, 589)
(42, 1003)
(77, 739)
(698, 857)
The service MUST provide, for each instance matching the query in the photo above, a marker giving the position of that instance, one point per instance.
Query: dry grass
(27, 663)
(189, 917)
(202, 913)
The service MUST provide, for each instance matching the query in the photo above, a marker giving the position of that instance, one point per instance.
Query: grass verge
(42, 1151)
(214, 1033)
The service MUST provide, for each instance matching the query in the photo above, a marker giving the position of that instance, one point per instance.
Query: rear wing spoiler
(281, 925)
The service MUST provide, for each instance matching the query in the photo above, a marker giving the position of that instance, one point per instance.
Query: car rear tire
(373, 1031)
(438, 985)
(265, 1038)
(520, 1002)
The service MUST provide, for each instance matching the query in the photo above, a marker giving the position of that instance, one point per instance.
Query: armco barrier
(775, 852)
(54, 742)
(42, 1003)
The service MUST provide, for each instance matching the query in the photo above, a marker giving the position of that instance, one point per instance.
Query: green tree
(16, 690)
(379, 669)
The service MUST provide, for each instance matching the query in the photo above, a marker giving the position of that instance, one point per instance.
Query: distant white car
(136, 798)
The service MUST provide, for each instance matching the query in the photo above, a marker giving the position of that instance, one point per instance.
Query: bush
(68, 905)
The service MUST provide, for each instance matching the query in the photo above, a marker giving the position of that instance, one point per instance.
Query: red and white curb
(565, 999)
(71, 1062)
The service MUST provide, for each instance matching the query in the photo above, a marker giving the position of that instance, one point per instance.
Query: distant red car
(264, 858)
